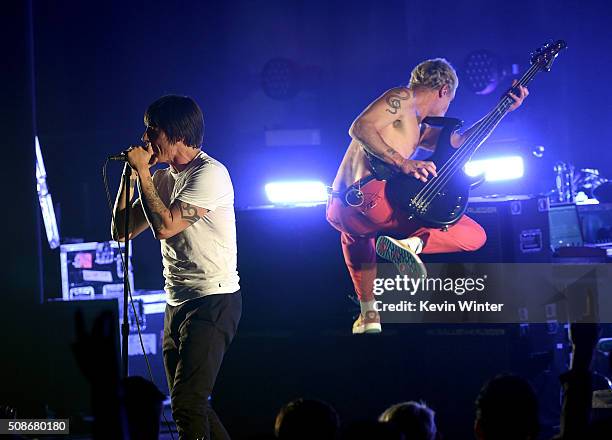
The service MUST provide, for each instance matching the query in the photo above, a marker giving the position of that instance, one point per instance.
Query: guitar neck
(488, 124)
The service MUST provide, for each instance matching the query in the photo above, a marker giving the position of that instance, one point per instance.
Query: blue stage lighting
(496, 169)
(296, 192)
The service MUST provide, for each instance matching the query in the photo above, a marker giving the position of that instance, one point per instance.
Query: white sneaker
(402, 255)
(370, 323)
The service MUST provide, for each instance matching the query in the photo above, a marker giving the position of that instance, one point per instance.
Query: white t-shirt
(200, 260)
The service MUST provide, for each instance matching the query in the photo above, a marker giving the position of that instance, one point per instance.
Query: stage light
(280, 79)
(496, 169)
(45, 200)
(296, 192)
(482, 70)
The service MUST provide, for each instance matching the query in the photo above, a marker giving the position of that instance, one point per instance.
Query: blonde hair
(433, 74)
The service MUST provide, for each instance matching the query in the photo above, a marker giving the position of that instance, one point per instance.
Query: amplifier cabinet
(596, 223)
(517, 231)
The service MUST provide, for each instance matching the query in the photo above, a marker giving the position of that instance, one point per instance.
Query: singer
(189, 207)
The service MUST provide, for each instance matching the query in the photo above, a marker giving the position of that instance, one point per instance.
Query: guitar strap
(380, 170)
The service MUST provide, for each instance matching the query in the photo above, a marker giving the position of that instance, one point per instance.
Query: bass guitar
(442, 200)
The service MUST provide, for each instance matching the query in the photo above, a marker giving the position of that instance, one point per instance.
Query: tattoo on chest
(189, 212)
(394, 100)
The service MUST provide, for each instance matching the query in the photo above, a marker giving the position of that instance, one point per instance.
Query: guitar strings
(457, 161)
(430, 190)
(445, 173)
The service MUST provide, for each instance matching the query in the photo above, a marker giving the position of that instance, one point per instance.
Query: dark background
(98, 65)
(97, 69)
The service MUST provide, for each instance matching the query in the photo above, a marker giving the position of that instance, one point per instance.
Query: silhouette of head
(415, 420)
(303, 419)
(506, 408)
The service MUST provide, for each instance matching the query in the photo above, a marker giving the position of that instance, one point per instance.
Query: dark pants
(196, 337)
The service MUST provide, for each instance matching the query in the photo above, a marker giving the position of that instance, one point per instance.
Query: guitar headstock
(546, 54)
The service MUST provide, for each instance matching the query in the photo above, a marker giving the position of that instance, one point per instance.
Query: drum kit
(577, 186)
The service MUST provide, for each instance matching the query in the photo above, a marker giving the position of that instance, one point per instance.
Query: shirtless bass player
(389, 130)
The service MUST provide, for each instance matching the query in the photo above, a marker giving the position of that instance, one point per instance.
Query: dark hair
(306, 419)
(507, 408)
(179, 117)
(414, 419)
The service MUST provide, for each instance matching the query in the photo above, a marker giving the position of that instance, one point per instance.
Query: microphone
(120, 157)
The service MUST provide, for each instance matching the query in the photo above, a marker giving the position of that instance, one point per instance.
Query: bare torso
(402, 135)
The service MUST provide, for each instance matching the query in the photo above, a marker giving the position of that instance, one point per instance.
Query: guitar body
(449, 201)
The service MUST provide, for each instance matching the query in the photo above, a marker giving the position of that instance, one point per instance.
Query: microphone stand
(125, 326)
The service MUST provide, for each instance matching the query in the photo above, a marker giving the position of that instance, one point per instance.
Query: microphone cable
(124, 263)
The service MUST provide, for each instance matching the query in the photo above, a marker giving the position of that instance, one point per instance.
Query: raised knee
(478, 238)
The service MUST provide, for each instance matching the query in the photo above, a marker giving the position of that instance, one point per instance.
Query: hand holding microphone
(137, 156)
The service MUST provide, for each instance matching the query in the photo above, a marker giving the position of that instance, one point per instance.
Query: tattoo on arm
(396, 158)
(394, 100)
(189, 212)
(389, 155)
(154, 207)
(156, 221)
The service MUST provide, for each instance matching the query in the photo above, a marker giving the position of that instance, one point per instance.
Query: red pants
(360, 225)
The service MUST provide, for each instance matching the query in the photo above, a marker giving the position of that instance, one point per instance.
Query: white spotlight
(295, 193)
(496, 169)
